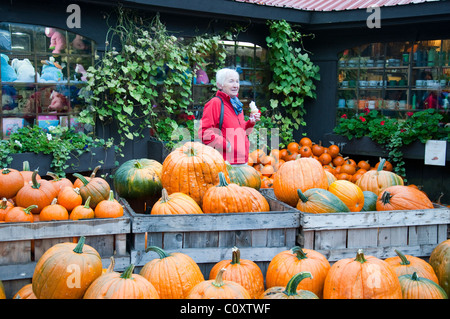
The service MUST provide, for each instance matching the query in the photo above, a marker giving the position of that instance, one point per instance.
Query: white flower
(49, 136)
(18, 143)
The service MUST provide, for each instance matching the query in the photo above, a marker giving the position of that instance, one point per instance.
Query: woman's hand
(255, 117)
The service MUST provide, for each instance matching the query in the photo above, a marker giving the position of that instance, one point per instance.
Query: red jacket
(234, 130)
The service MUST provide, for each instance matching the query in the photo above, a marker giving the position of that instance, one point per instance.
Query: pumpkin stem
(4, 203)
(218, 282)
(291, 287)
(54, 201)
(164, 196)
(81, 178)
(236, 256)
(86, 204)
(111, 195)
(137, 164)
(34, 181)
(222, 180)
(94, 172)
(381, 165)
(414, 276)
(128, 273)
(29, 208)
(54, 176)
(302, 196)
(404, 260)
(25, 166)
(76, 190)
(386, 197)
(5, 171)
(162, 254)
(299, 252)
(360, 256)
(111, 265)
(79, 247)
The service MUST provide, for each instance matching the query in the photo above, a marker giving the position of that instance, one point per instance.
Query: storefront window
(42, 76)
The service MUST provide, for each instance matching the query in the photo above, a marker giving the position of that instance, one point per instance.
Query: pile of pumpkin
(193, 179)
(292, 274)
(342, 168)
(26, 197)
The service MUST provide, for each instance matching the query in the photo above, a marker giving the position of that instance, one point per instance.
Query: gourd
(363, 277)
(218, 288)
(290, 291)
(244, 175)
(318, 201)
(97, 188)
(51, 278)
(175, 204)
(243, 271)
(173, 275)
(303, 173)
(349, 193)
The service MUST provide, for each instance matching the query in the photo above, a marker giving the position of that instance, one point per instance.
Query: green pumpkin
(320, 201)
(244, 175)
(370, 201)
(138, 178)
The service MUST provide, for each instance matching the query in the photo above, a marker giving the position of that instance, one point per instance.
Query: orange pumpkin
(243, 271)
(218, 289)
(303, 173)
(290, 291)
(27, 173)
(226, 198)
(82, 211)
(53, 274)
(175, 204)
(305, 151)
(287, 263)
(54, 211)
(20, 214)
(306, 141)
(69, 197)
(407, 265)
(349, 193)
(108, 208)
(259, 202)
(36, 193)
(11, 181)
(378, 180)
(59, 182)
(78, 183)
(293, 147)
(113, 285)
(402, 197)
(333, 150)
(192, 169)
(325, 159)
(317, 149)
(363, 277)
(173, 275)
(5, 206)
(416, 287)
(26, 292)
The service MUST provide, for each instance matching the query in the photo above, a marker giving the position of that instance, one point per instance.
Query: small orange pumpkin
(59, 182)
(218, 289)
(69, 197)
(5, 206)
(82, 211)
(11, 181)
(54, 211)
(108, 208)
(26, 292)
(20, 214)
(175, 204)
(259, 202)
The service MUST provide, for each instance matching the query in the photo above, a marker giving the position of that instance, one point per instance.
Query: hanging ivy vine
(293, 76)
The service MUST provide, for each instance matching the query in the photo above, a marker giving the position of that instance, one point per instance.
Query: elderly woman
(223, 126)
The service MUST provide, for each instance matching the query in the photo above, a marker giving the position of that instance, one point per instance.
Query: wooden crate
(209, 238)
(340, 235)
(22, 244)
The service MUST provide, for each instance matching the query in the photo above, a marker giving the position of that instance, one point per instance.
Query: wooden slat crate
(340, 235)
(209, 238)
(22, 244)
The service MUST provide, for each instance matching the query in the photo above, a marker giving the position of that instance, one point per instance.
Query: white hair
(223, 74)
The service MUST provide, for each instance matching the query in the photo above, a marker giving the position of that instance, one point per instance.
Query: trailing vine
(293, 76)
(147, 79)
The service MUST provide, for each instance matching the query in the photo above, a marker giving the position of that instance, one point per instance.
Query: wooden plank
(375, 219)
(212, 255)
(330, 239)
(362, 238)
(392, 236)
(419, 235)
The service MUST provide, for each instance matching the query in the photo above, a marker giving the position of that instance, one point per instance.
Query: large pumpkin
(370, 201)
(378, 180)
(138, 178)
(175, 204)
(363, 277)
(287, 263)
(218, 289)
(192, 169)
(290, 291)
(11, 181)
(66, 270)
(244, 175)
(407, 265)
(226, 198)
(416, 287)
(243, 271)
(303, 173)
(440, 261)
(97, 188)
(40, 193)
(318, 201)
(349, 193)
(173, 275)
(403, 198)
(113, 285)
